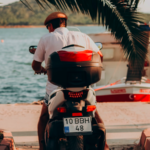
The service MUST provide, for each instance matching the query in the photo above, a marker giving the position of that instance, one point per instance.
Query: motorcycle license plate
(77, 124)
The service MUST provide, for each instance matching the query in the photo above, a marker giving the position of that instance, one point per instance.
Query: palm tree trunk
(134, 73)
(135, 70)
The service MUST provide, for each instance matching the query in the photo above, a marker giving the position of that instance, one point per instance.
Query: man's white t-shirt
(55, 41)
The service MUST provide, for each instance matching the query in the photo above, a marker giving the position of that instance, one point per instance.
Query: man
(59, 36)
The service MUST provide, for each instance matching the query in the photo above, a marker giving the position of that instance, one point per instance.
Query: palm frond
(118, 16)
(25, 2)
(130, 3)
(134, 3)
(139, 38)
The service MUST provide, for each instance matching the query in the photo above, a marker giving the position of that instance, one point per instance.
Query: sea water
(18, 84)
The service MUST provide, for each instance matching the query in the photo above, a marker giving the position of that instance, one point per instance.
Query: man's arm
(39, 58)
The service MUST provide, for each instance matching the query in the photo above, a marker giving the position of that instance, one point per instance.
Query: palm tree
(119, 16)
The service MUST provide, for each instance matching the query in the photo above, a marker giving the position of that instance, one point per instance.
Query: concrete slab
(19, 117)
(124, 122)
(145, 134)
(7, 142)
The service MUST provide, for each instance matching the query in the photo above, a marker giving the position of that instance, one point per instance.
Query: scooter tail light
(61, 110)
(75, 95)
(77, 114)
(90, 108)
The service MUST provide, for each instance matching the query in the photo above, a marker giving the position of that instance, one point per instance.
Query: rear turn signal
(90, 108)
(61, 110)
(76, 114)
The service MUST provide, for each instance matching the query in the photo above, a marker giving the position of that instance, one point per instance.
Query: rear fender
(76, 105)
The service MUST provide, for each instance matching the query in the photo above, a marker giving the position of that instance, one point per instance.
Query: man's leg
(41, 126)
(99, 120)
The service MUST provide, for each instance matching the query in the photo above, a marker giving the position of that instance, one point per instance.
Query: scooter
(72, 124)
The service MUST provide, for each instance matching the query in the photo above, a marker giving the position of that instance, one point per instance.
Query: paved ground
(124, 123)
(122, 147)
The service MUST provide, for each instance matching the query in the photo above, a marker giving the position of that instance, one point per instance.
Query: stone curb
(147, 144)
(7, 143)
(145, 139)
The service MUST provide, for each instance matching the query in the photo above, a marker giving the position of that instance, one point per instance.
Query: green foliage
(18, 14)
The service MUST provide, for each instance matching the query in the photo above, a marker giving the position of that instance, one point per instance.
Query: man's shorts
(46, 99)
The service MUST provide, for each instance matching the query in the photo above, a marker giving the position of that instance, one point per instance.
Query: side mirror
(32, 49)
(99, 45)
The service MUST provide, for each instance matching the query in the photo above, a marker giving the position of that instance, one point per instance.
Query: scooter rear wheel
(75, 143)
(52, 144)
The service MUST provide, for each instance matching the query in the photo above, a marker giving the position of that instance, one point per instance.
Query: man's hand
(43, 70)
(38, 68)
